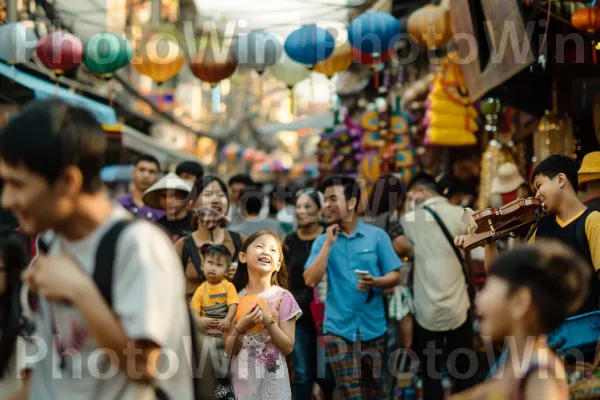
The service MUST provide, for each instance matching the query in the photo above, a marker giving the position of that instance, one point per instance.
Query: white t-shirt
(149, 300)
(441, 300)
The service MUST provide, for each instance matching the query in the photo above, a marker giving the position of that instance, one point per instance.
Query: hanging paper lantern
(212, 69)
(60, 51)
(431, 26)
(289, 71)
(309, 45)
(160, 59)
(374, 32)
(17, 43)
(258, 50)
(105, 53)
(339, 61)
(586, 19)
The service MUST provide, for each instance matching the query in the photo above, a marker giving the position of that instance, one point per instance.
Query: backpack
(191, 251)
(204, 376)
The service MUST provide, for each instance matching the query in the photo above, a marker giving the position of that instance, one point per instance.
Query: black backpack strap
(105, 259)
(459, 256)
(236, 238)
(189, 247)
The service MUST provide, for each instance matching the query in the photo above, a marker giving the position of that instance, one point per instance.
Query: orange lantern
(431, 26)
(209, 68)
(246, 304)
(588, 19)
(159, 59)
(339, 61)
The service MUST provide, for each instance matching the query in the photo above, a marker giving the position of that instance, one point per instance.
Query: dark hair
(190, 167)
(147, 158)
(49, 136)
(199, 187)
(387, 196)
(241, 178)
(557, 164)
(279, 278)
(285, 194)
(423, 179)
(252, 200)
(218, 250)
(15, 259)
(314, 194)
(351, 187)
(556, 276)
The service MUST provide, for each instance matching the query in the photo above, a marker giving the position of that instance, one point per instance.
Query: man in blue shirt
(360, 262)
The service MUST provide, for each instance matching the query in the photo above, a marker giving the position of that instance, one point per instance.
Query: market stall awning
(43, 89)
(137, 141)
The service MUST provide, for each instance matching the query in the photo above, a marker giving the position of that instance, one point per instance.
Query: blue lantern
(374, 32)
(309, 45)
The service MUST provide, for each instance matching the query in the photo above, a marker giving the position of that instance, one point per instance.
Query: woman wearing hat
(173, 195)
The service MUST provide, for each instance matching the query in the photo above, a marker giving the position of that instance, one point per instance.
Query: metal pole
(11, 10)
(155, 12)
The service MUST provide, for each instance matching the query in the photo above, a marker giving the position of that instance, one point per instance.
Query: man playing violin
(555, 182)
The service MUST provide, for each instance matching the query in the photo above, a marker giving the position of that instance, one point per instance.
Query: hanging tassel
(160, 97)
(216, 98)
(292, 100)
(594, 53)
(376, 73)
(110, 90)
(312, 88)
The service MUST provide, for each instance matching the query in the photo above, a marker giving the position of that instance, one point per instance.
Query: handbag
(317, 309)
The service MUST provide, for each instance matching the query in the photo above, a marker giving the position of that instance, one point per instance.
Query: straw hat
(170, 182)
(508, 180)
(590, 167)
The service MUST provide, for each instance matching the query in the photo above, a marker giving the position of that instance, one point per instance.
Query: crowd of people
(298, 292)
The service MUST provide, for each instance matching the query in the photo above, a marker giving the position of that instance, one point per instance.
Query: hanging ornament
(60, 52)
(211, 68)
(17, 43)
(291, 73)
(431, 26)
(309, 45)
(160, 59)
(339, 61)
(105, 53)
(588, 19)
(258, 50)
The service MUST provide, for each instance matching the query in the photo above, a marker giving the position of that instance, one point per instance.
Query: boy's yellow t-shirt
(209, 294)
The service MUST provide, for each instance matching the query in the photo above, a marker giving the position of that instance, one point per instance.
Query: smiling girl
(259, 367)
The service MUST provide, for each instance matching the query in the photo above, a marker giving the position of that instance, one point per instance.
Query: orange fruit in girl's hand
(246, 304)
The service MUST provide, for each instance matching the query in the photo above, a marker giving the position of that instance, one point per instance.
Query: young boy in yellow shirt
(216, 299)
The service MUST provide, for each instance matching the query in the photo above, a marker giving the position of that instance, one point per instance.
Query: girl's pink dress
(259, 370)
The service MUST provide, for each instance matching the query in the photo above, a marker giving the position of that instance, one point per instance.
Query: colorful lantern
(309, 45)
(160, 59)
(17, 43)
(431, 26)
(588, 19)
(339, 61)
(374, 32)
(105, 53)
(258, 50)
(290, 72)
(60, 51)
(213, 69)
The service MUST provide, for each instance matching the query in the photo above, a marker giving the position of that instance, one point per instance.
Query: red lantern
(209, 68)
(60, 51)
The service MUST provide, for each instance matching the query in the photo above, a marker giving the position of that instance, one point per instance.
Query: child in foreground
(259, 367)
(529, 292)
(216, 299)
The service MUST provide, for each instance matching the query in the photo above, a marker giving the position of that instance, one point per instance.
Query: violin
(490, 224)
